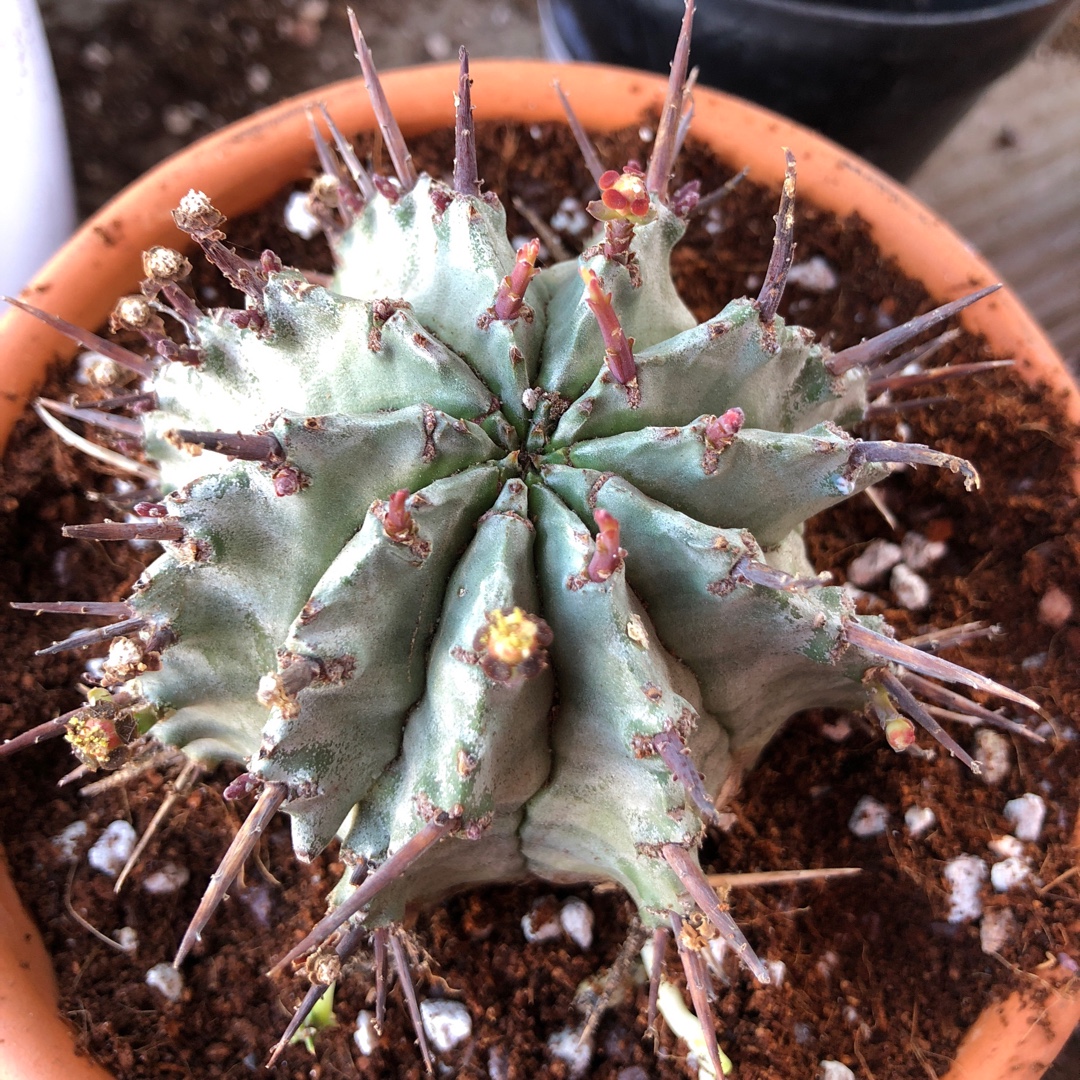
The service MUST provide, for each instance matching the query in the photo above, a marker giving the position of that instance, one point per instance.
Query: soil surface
(876, 977)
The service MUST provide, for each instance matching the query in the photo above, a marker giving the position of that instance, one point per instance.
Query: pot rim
(102, 260)
(850, 17)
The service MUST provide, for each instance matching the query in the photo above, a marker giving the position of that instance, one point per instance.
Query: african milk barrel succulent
(492, 573)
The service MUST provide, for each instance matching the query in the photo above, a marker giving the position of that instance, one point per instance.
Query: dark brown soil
(876, 977)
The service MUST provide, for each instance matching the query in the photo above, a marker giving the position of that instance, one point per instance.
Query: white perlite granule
(919, 819)
(68, 840)
(365, 1036)
(577, 920)
(835, 1070)
(446, 1023)
(911, 591)
(113, 848)
(166, 980)
(994, 753)
(874, 563)
(1027, 815)
(171, 878)
(567, 1047)
(1009, 873)
(997, 929)
(869, 818)
(964, 875)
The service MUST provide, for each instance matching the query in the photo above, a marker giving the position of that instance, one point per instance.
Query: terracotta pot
(242, 165)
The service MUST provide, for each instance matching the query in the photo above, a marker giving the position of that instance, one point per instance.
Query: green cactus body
(501, 576)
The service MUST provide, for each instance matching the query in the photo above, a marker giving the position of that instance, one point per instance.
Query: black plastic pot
(886, 78)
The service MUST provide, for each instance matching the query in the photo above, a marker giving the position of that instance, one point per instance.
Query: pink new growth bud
(899, 733)
(512, 290)
(618, 348)
(623, 196)
(608, 556)
(398, 523)
(721, 430)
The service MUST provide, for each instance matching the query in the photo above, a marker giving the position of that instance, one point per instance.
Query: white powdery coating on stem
(113, 848)
(869, 818)
(577, 920)
(166, 980)
(446, 1023)
(1027, 815)
(964, 875)
(919, 819)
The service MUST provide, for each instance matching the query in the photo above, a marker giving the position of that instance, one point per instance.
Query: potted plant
(243, 170)
(886, 78)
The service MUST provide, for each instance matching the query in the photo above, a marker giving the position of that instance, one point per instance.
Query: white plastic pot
(37, 196)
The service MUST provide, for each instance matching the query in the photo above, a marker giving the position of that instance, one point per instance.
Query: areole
(246, 163)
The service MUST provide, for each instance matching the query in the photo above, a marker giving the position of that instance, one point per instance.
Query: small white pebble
(1027, 815)
(964, 876)
(997, 928)
(1009, 873)
(726, 820)
(878, 558)
(96, 56)
(919, 819)
(169, 879)
(437, 45)
(577, 920)
(1034, 662)
(564, 1045)
(994, 753)
(919, 553)
(571, 218)
(127, 938)
(166, 980)
(365, 1036)
(777, 970)
(646, 134)
(298, 218)
(814, 275)
(1055, 608)
(68, 841)
(835, 1070)
(837, 732)
(176, 119)
(869, 818)
(1006, 847)
(446, 1023)
(258, 78)
(911, 591)
(112, 849)
(540, 924)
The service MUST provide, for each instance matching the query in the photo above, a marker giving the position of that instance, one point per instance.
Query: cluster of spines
(513, 644)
